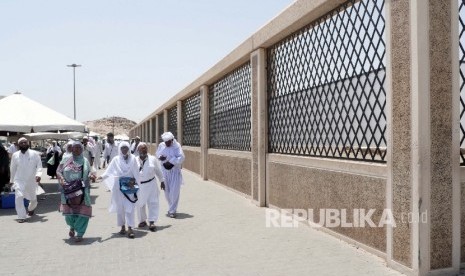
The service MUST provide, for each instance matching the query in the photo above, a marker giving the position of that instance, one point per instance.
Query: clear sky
(135, 54)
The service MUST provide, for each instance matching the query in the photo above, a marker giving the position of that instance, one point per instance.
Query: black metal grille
(230, 111)
(326, 86)
(462, 79)
(173, 121)
(161, 128)
(191, 121)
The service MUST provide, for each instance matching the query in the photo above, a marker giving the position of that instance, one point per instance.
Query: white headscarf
(124, 144)
(167, 136)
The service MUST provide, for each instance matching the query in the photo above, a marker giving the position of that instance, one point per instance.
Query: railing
(191, 121)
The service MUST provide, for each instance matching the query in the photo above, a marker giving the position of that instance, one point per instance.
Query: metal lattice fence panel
(230, 102)
(191, 121)
(161, 128)
(326, 86)
(173, 121)
(462, 79)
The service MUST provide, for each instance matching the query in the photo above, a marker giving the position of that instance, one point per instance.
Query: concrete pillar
(423, 120)
(165, 120)
(179, 127)
(150, 140)
(259, 132)
(204, 131)
(157, 134)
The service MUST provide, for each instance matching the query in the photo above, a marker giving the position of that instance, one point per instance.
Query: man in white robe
(123, 165)
(170, 154)
(25, 173)
(88, 151)
(111, 149)
(12, 149)
(97, 153)
(135, 145)
(148, 190)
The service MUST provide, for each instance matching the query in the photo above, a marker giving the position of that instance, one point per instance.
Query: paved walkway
(217, 232)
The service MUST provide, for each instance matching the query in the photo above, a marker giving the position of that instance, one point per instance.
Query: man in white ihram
(170, 154)
(148, 194)
(25, 173)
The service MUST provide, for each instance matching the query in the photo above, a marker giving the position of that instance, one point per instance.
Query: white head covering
(77, 143)
(70, 143)
(123, 144)
(167, 136)
(21, 139)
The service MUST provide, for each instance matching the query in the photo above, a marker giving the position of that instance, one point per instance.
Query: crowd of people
(131, 176)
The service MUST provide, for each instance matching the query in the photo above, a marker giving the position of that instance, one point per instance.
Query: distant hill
(117, 125)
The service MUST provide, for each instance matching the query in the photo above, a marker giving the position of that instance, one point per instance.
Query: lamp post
(74, 65)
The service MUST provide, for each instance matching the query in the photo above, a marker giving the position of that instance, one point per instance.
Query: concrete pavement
(217, 232)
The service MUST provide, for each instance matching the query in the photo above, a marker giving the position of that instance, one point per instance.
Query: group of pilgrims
(76, 168)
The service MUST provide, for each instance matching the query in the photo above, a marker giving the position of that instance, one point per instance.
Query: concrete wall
(230, 168)
(192, 161)
(302, 183)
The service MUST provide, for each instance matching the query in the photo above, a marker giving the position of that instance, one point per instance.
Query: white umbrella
(21, 114)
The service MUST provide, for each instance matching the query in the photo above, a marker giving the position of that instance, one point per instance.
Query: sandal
(152, 227)
(21, 220)
(142, 224)
(122, 231)
(130, 234)
(71, 233)
(78, 239)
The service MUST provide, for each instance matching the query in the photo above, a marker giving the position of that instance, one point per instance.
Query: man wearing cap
(135, 145)
(25, 173)
(171, 156)
(88, 151)
(111, 149)
(148, 194)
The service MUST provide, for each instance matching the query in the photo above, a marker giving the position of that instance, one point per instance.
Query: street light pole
(74, 65)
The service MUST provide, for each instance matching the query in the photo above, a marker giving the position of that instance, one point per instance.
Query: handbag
(74, 189)
(51, 161)
(168, 165)
(127, 185)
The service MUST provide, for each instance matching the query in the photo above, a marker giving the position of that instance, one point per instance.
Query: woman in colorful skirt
(77, 210)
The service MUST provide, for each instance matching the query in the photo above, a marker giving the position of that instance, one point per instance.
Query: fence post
(204, 131)
(259, 139)
(179, 126)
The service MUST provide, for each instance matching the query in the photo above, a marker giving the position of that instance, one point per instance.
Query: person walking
(76, 206)
(124, 165)
(111, 149)
(25, 174)
(135, 145)
(171, 156)
(53, 159)
(148, 195)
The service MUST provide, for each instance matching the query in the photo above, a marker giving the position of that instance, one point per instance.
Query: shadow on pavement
(159, 228)
(182, 216)
(137, 233)
(85, 241)
(36, 218)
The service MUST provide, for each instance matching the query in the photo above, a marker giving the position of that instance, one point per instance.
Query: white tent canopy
(21, 114)
(55, 136)
(122, 137)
